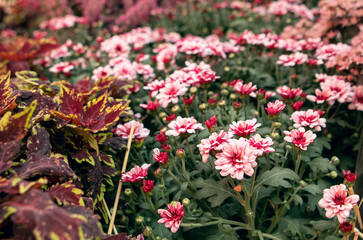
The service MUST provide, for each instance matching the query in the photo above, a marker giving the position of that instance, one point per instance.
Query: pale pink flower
(172, 217)
(339, 90)
(145, 70)
(299, 137)
(263, 145)
(275, 108)
(191, 45)
(181, 77)
(292, 59)
(170, 93)
(337, 203)
(357, 98)
(213, 143)
(172, 37)
(102, 72)
(236, 159)
(154, 87)
(125, 70)
(244, 89)
(136, 174)
(321, 96)
(244, 128)
(115, 46)
(62, 67)
(123, 130)
(287, 93)
(201, 73)
(310, 118)
(183, 126)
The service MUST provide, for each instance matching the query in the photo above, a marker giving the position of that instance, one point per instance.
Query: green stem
(191, 153)
(298, 160)
(250, 214)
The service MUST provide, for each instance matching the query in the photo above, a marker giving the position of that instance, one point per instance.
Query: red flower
(172, 217)
(211, 122)
(160, 157)
(237, 106)
(165, 147)
(297, 105)
(148, 185)
(349, 176)
(161, 138)
(189, 101)
(170, 117)
(212, 103)
(151, 106)
(275, 108)
(346, 227)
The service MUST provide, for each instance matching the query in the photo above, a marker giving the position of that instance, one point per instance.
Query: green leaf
(215, 192)
(296, 226)
(321, 164)
(276, 177)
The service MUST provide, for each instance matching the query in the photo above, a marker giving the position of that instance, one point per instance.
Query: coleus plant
(52, 168)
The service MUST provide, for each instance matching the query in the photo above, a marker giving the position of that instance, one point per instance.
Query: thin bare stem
(109, 215)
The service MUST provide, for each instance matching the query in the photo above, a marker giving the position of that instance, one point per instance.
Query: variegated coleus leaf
(16, 185)
(66, 194)
(95, 116)
(7, 96)
(36, 213)
(12, 131)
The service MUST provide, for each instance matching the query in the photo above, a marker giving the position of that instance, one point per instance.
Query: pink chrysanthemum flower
(237, 158)
(339, 90)
(139, 131)
(170, 93)
(357, 99)
(244, 89)
(136, 174)
(292, 59)
(310, 118)
(321, 96)
(183, 126)
(172, 217)
(275, 108)
(154, 87)
(263, 145)
(213, 143)
(244, 128)
(299, 137)
(287, 93)
(337, 203)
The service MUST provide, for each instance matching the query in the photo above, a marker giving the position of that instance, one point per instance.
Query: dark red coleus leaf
(38, 142)
(35, 212)
(55, 168)
(12, 131)
(66, 194)
(120, 236)
(17, 185)
(7, 97)
(96, 116)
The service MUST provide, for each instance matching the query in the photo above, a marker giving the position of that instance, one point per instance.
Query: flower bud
(162, 114)
(139, 219)
(333, 174)
(276, 124)
(237, 106)
(226, 69)
(180, 153)
(275, 136)
(289, 147)
(303, 183)
(128, 192)
(193, 90)
(233, 96)
(186, 202)
(221, 103)
(158, 173)
(231, 55)
(148, 231)
(176, 109)
(161, 186)
(329, 136)
(212, 103)
(203, 106)
(224, 92)
(335, 160)
(256, 114)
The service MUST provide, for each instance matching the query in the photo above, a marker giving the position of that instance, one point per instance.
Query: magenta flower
(139, 131)
(310, 118)
(160, 157)
(136, 174)
(337, 203)
(244, 128)
(275, 108)
(183, 126)
(287, 93)
(299, 137)
(172, 217)
(213, 143)
(244, 89)
(237, 158)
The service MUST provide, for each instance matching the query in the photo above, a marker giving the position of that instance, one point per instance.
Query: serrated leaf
(276, 177)
(215, 192)
(296, 226)
(83, 156)
(321, 164)
(36, 213)
(17, 185)
(7, 97)
(66, 193)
